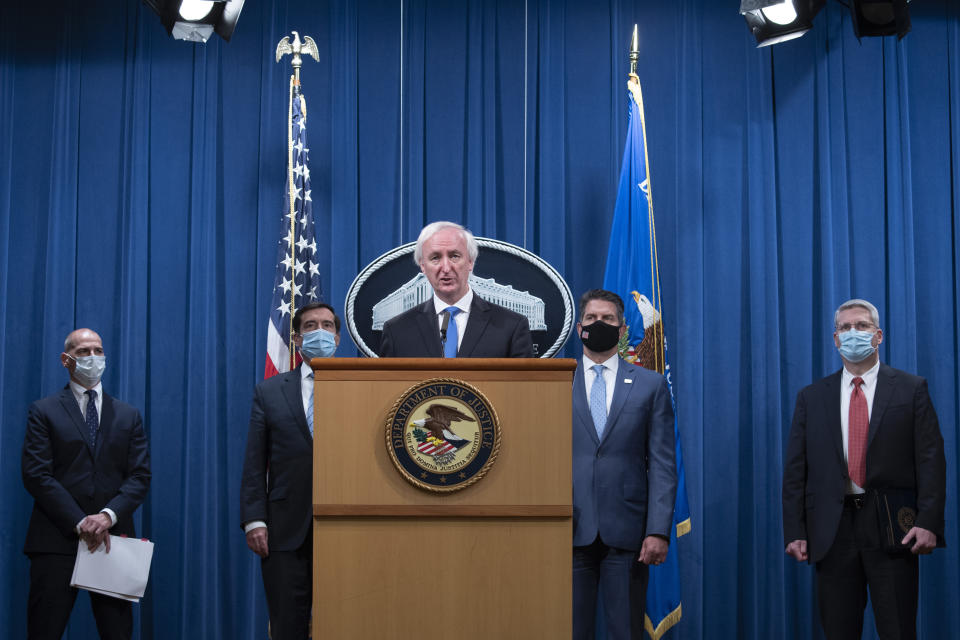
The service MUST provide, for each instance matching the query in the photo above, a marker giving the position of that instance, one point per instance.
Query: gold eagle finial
(307, 47)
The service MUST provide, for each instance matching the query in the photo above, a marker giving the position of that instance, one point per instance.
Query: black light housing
(880, 18)
(221, 19)
(767, 31)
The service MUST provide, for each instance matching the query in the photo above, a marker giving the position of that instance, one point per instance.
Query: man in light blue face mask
(864, 483)
(276, 507)
(87, 465)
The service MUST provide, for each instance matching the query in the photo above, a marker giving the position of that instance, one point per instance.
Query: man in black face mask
(624, 474)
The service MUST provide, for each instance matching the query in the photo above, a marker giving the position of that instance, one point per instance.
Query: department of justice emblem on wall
(442, 435)
(503, 274)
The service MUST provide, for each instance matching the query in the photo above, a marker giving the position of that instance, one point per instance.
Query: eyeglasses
(859, 326)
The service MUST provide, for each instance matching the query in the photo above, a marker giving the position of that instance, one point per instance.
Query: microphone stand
(443, 332)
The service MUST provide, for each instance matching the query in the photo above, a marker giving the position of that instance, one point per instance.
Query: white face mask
(89, 369)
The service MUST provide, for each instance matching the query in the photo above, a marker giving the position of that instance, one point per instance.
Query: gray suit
(623, 491)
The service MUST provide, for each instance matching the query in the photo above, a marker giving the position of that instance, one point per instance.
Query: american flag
(433, 449)
(298, 275)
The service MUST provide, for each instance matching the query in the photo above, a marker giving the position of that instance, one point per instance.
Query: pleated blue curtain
(140, 194)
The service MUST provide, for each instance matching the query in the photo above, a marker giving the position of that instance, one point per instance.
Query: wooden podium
(394, 561)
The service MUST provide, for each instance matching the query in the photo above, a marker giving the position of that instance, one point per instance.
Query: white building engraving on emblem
(418, 290)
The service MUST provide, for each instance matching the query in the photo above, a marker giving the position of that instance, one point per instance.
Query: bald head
(77, 336)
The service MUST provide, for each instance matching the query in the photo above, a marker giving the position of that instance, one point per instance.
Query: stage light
(773, 21)
(880, 18)
(193, 10)
(783, 13)
(197, 20)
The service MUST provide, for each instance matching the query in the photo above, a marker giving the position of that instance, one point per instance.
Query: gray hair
(432, 228)
(857, 302)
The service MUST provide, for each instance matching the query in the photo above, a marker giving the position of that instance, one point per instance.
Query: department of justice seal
(442, 435)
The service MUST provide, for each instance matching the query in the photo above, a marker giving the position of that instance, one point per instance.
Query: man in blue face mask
(87, 465)
(864, 483)
(277, 480)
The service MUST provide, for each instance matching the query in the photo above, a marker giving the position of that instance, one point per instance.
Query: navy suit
(277, 489)
(904, 451)
(70, 479)
(492, 332)
(624, 487)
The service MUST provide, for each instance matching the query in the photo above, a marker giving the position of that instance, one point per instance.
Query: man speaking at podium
(277, 485)
(455, 322)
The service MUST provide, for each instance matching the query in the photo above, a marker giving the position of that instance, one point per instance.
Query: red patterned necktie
(858, 425)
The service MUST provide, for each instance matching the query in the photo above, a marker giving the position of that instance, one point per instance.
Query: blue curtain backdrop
(140, 194)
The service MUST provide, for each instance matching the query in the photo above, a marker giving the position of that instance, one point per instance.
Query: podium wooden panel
(392, 561)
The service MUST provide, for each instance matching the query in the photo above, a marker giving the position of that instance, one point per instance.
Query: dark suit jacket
(624, 485)
(904, 451)
(492, 332)
(277, 484)
(68, 480)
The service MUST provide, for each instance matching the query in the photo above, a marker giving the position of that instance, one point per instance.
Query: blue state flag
(633, 273)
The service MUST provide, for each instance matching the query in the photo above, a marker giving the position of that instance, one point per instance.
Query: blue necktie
(598, 400)
(310, 406)
(450, 346)
(92, 418)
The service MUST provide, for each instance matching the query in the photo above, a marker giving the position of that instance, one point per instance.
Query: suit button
(599, 455)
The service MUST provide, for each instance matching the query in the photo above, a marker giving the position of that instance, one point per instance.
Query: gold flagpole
(633, 84)
(309, 47)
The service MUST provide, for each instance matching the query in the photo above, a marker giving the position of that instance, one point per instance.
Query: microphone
(443, 330)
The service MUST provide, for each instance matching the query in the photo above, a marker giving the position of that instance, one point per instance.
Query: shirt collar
(610, 363)
(80, 391)
(306, 371)
(463, 303)
(869, 376)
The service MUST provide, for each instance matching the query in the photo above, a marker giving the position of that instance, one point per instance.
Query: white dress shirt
(869, 387)
(461, 318)
(80, 393)
(609, 376)
(306, 387)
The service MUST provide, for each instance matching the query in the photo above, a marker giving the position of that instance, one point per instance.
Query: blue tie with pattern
(450, 346)
(310, 405)
(598, 400)
(92, 418)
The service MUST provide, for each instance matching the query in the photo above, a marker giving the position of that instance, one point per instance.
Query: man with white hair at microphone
(455, 323)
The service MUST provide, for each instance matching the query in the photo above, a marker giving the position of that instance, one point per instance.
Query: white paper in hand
(122, 573)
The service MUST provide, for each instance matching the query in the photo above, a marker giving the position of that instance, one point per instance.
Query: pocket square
(628, 381)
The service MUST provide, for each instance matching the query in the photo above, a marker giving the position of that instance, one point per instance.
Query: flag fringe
(671, 619)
